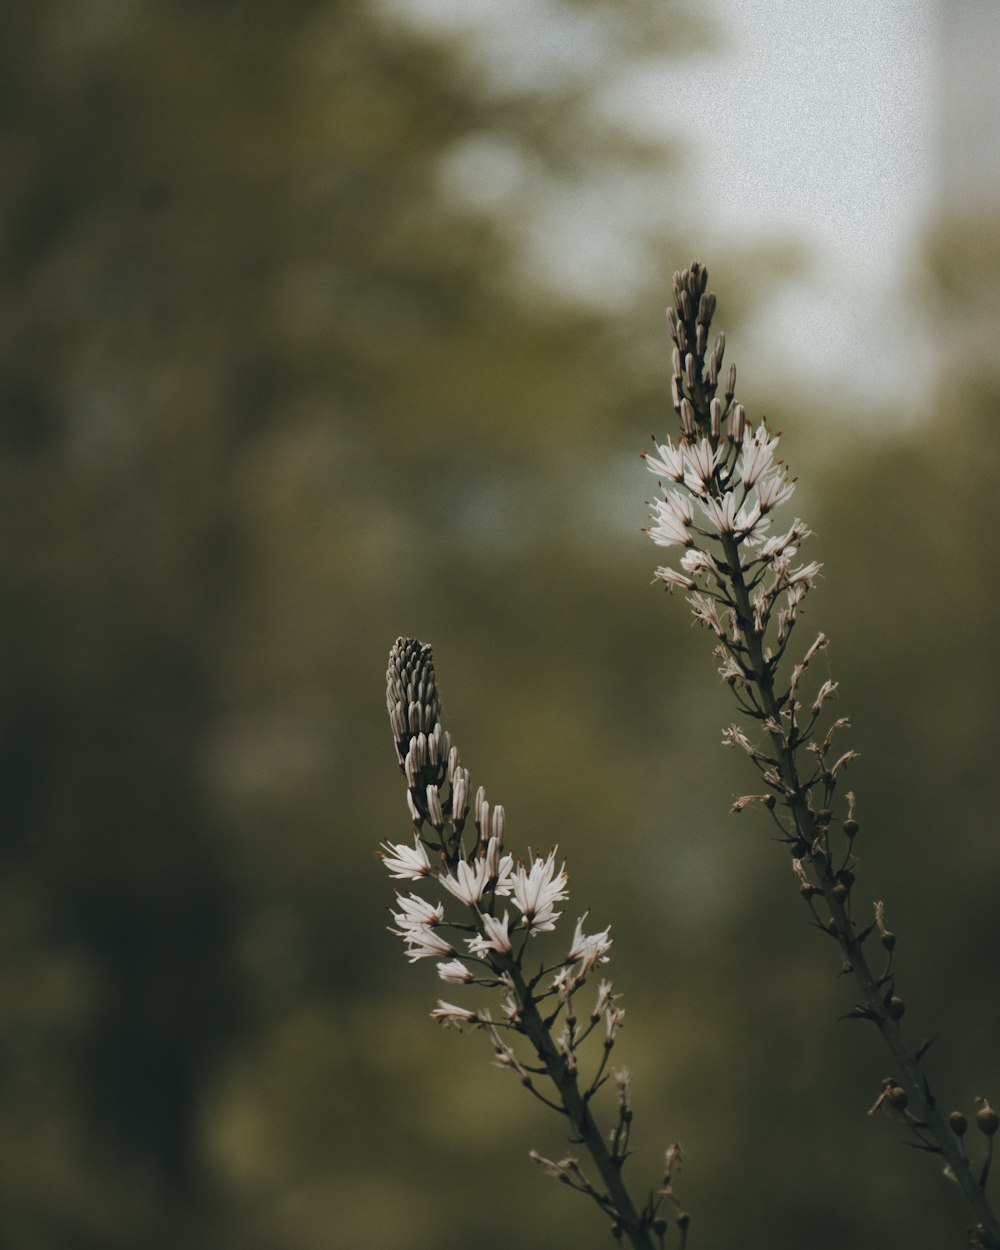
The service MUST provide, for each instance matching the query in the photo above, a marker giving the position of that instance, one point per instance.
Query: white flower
(700, 463)
(588, 950)
(695, 562)
(670, 463)
(423, 942)
(495, 938)
(756, 456)
(448, 1013)
(454, 971)
(469, 881)
(721, 513)
(673, 578)
(707, 613)
(672, 516)
(501, 867)
(806, 574)
(773, 490)
(402, 861)
(417, 913)
(536, 890)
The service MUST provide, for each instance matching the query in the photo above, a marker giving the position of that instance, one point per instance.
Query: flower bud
(987, 1119)
(897, 1097)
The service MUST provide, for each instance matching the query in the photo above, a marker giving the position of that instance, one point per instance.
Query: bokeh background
(330, 320)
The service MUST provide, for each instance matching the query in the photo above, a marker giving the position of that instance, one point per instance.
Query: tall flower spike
(746, 589)
(472, 871)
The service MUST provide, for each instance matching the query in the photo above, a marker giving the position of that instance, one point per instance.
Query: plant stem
(634, 1224)
(912, 1077)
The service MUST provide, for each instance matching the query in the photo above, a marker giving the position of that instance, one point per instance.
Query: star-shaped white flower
(495, 937)
(406, 862)
(537, 889)
(469, 880)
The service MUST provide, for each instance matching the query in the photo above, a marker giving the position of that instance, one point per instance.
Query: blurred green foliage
(272, 391)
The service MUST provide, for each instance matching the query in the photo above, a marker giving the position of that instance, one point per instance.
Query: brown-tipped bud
(715, 417)
(889, 940)
(690, 373)
(706, 308)
(731, 381)
(672, 322)
(675, 360)
(737, 422)
(840, 892)
(895, 1007)
(699, 339)
(987, 1120)
(682, 336)
(897, 1097)
(851, 828)
(687, 418)
(958, 1123)
(685, 305)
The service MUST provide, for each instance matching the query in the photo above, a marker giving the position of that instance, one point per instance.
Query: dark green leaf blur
(279, 381)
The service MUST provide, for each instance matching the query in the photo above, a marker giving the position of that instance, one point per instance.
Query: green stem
(912, 1077)
(634, 1225)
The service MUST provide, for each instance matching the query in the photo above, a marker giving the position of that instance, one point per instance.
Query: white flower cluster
(534, 892)
(718, 496)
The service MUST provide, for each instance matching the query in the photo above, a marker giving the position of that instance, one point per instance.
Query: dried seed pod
(987, 1119)
(958, 1123)
(851, 828)
(895, 1007)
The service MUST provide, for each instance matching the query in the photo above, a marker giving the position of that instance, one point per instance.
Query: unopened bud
(689, 371)
(715, 416)
(737, 422)
(731, 381)
(706, 308)
(687, 417)
(897, 1097)
(987, 1119)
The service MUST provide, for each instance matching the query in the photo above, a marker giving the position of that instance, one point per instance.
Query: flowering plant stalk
(721, 485)
(505, 905)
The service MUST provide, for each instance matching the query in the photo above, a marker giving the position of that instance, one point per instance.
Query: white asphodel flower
(756, 456)
(469, 880)
(406, 862)
(423, 942)
(448, 1013)
(773, 490)
(588, 950)
(670, 462)
(416, 913)
(700, 463)
(672, 515)
(455, 972)
(495, 937)
(537, 889)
